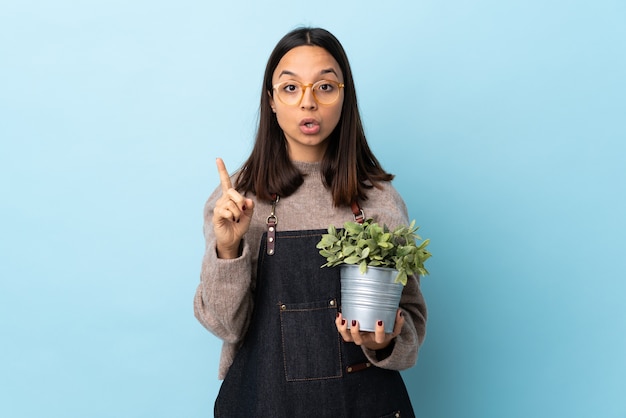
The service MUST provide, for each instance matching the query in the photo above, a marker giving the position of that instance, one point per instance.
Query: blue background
(504, 122)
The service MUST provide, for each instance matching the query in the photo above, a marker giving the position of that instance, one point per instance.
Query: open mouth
(309, 126)
(309, 122)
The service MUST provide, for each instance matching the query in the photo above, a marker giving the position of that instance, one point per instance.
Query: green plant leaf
(352, 259)
(363, 267)
(402, 278)
(353, 228)
(326, 254)
(348, 250)
(373, 244)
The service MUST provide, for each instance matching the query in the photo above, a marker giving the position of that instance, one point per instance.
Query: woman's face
(307, 123)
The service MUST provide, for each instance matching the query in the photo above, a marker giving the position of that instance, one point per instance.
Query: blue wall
(504, 122)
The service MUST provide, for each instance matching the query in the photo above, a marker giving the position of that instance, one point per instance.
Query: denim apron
(293, 362)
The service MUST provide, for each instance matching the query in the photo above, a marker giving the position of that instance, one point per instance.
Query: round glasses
(291, 92)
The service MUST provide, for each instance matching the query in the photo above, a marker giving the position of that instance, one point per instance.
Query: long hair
(348, 167)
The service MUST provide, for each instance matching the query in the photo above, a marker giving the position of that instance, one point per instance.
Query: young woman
(287, 351)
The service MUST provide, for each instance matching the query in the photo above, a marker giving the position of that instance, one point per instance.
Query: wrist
(383, 353)
(229, 252)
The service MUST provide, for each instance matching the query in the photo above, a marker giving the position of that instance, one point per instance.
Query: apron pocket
(311, 344)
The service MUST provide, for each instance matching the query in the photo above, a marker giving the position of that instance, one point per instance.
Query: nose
(308, 99)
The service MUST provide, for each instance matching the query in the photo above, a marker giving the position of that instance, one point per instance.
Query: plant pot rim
(368, 267)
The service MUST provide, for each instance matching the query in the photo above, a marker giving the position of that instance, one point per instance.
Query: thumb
(249, 206)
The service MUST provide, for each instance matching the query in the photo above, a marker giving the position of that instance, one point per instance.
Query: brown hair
(349, 167)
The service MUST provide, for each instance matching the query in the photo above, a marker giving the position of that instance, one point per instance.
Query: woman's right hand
(231, 216)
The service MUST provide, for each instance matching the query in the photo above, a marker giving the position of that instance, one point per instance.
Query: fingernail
(401, 313)
(380, 323)
(243, 207)
(337, 316)
(343, 322)
(354, 322)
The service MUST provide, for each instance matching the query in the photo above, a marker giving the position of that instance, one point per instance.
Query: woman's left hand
(376, 340)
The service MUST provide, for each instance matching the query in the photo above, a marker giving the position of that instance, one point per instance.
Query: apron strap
(359, 215)
(272, 221)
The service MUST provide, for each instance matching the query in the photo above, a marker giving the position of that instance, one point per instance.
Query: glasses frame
(312, 87)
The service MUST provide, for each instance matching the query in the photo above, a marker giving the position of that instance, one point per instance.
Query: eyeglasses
(291, 92)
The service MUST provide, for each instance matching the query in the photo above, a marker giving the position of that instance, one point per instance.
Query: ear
(272, 104)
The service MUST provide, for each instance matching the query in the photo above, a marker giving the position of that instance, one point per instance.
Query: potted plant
(375, 264)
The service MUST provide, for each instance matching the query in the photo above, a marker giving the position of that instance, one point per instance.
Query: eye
(290, 88)
(326, 87)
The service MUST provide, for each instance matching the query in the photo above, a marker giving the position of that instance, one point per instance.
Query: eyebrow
(324, 71)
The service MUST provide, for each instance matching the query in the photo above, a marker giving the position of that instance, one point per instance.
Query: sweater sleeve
(392, 212)
(223, 300)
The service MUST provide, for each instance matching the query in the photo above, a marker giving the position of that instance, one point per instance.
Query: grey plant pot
(370, 297)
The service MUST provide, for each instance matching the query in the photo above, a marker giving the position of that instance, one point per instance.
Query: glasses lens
(326, 92)
(289, 92)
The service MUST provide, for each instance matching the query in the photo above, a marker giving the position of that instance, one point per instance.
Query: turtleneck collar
(307, 167)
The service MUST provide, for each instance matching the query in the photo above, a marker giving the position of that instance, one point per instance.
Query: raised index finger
(224, 177)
